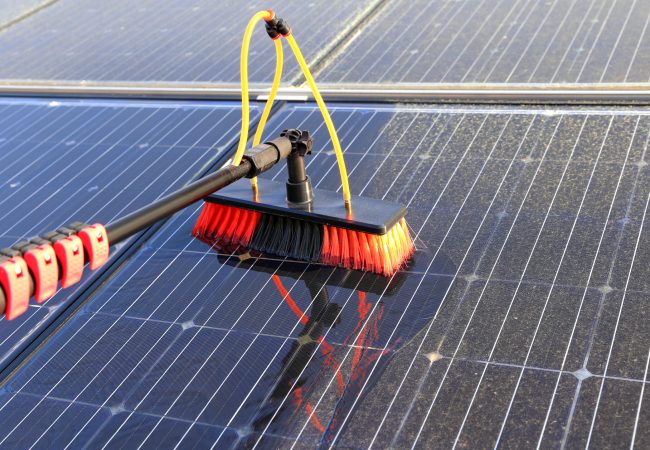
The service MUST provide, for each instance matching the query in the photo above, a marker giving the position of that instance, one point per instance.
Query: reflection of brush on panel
(346, 327)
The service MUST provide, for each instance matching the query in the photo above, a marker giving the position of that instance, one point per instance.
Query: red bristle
(364, 250)
(355, 254)
(345, 248)
(231, 226)
(373, 242)
(226, 224)
(221, 226)
(326, 250)
(385, 254)
(335, 249)
(252, 219)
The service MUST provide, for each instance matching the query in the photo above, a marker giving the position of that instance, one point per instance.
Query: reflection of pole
(323, 313)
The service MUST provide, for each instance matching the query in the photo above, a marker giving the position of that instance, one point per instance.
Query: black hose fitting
(299, 188)
(277, 27)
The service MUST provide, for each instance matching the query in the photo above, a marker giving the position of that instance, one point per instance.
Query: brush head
(374, 238)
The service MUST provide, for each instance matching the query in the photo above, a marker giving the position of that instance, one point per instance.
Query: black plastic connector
(261, 158)
(299, 188)
(277, 27)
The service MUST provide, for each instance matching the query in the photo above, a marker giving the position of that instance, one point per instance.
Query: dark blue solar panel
(190, 41)
(94, 161)
(521, 318)
(501, 41)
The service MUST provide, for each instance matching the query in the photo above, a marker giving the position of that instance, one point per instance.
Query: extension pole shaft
(257, 160)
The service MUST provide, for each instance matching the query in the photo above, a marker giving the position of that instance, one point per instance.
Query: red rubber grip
(70, 254)
(14, 279)
(42, 263)
(95, 241)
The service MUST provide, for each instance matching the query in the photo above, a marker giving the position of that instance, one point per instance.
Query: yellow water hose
(279, 59)
(243, 69)
(243, 138)
(326, 117)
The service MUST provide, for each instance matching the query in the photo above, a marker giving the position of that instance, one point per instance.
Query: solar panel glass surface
(178, 41)
(94, 161)
(522, 318)
(504, 41)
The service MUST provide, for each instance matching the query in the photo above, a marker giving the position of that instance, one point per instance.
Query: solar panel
(12, 11)
(505, 41)
(93, 161)
(521, 320)
(195, 41)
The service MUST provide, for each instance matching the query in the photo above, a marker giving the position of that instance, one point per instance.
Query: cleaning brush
(296, 221)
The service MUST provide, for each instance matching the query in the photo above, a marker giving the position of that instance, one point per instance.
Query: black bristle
(288, 238)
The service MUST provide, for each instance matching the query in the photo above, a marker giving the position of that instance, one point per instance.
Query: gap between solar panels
(297, 222)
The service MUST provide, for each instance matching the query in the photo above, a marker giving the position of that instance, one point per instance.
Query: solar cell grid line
(618, 318)
(217, 347)
(515, 23)
(569, 47)
(585, 37)
(558, 29)
(69, 180)
(2, 407)
(618, 40)
(538, 36)
(73, 51)
(155, 179)
(608, 281)
(423, 339)
(459, 32)
(460, 265)
(376, 303)
(378, 44)
(401, 383)
(521, 27)
(638, 409)
(20, 124)
(28, 154)
(636, 49)
(618, 51)
(117, 352)
(442, 32)
(600, 32)
(475, 37)
(75, 146)
(161, 62)
(423, 35)
(589, 277)
(556, 271)
(160, 123)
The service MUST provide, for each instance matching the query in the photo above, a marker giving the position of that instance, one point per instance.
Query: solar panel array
(521, 321)
(180, 41)
(396, 41)
(94, 161)
(504, 41)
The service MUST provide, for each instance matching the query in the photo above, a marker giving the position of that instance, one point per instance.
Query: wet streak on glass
(521, 315)
(503, 41)
(62, 161)
(189, 41)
